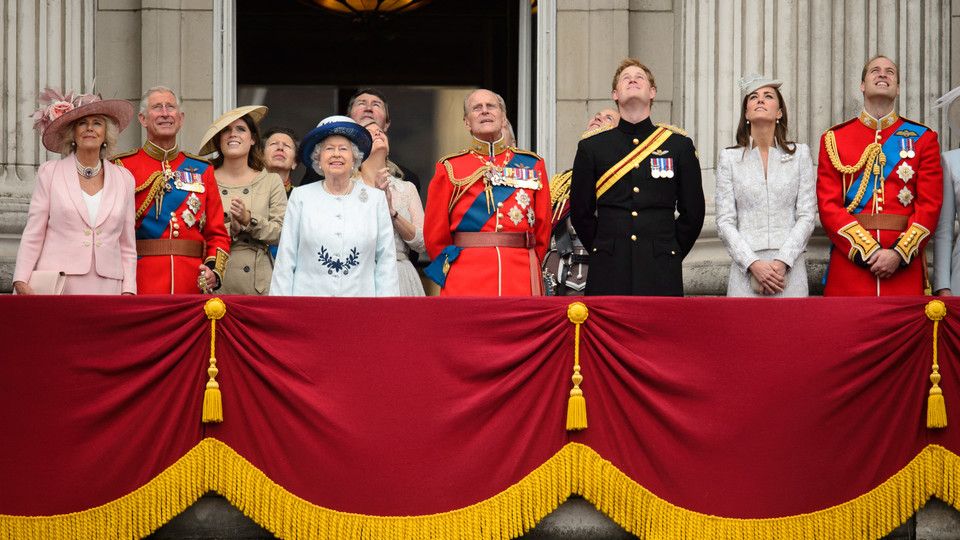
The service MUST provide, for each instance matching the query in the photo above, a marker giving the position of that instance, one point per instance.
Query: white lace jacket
(756, 213)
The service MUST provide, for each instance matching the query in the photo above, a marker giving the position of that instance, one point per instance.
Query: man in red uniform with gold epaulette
(879, 190)
(487, 223)
(182, 244)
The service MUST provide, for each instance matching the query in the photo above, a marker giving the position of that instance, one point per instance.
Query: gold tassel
(936, 407)
(212, 402)
(576, 405)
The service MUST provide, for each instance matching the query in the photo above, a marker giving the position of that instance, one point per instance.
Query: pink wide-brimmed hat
(58, 111)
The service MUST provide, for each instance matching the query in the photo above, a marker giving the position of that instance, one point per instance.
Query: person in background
(404, 205)
(338, 234)
(280, 154)
(255, 200)
(765, 197)
(946, 254)
(182, 243)
(80, 220)
(567, 262)
(365, 105)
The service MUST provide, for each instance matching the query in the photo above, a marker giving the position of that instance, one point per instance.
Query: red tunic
(488, 271)
(199, 217)
(914, 202)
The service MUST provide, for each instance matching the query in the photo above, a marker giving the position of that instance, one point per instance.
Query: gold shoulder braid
(155, 182)
(461, 185)
(560, 191)
(871, 161)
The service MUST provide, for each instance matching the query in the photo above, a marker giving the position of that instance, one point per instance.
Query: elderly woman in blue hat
(337, 237)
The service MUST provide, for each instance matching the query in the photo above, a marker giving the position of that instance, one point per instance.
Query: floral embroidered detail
(523, 199)
(515, 215)
(531, 216)
(335, 265)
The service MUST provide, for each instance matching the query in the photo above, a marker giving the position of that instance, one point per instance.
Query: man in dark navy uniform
(636, 197)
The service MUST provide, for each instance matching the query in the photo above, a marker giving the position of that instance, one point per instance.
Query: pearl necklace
(89, 172)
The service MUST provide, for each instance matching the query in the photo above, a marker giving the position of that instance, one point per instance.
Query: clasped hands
(772, 275)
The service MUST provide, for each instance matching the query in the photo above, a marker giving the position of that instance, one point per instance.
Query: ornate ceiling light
(367, 8)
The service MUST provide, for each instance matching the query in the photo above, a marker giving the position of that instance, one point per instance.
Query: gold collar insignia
(878, 124)
(160, 154)
(485, 148)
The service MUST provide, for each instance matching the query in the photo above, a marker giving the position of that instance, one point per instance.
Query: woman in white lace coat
(766, 198)
(406, 210)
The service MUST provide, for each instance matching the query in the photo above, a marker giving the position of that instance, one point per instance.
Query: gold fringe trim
(575, 469)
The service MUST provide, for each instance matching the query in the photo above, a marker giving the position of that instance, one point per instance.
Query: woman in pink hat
(80, 226)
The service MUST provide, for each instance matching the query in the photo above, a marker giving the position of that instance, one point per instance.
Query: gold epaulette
(841, 124)
(453, 155)
(525, 152)
(591, 132)
(560, 186)
(674, 129)
(117, 157)
(196, 157)
(916, 123)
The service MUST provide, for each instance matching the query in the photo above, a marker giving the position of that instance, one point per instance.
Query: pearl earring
(748, 122)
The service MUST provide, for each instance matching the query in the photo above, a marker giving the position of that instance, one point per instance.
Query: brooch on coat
(363, 195)
(905, 196)
(905, 172)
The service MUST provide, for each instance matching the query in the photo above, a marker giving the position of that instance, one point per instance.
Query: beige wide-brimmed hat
(951, 102)
(58, 111)
(752, 83)
(256, 112)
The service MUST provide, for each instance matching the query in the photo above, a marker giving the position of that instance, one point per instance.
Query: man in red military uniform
(182, 244)
(487, 223)
(879, 190)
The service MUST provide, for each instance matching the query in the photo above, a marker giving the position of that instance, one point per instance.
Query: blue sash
(891, 149)
(152, 226)
(474, 219)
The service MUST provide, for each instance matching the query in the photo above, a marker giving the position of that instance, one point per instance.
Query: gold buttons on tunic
(673, 252)
(636, 189)
(633, 237)
(634, 213)
(176, 234)
(636, 141)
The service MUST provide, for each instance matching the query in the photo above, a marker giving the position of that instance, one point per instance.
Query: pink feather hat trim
(58, 111)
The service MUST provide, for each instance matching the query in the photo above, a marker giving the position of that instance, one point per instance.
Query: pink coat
(59, 235)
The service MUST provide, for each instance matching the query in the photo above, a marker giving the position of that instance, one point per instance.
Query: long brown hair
(254, 158)
(779, 131)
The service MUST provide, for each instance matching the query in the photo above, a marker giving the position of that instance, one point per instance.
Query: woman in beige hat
(946, 255)
(766, 197)
(254, 200)
(79, 237)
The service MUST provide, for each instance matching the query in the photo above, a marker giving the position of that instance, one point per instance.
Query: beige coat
(251, 266)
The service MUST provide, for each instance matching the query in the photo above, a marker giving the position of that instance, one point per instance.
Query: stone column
(177, 51)
(43, 43)
(817, 47)
(592, 37)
